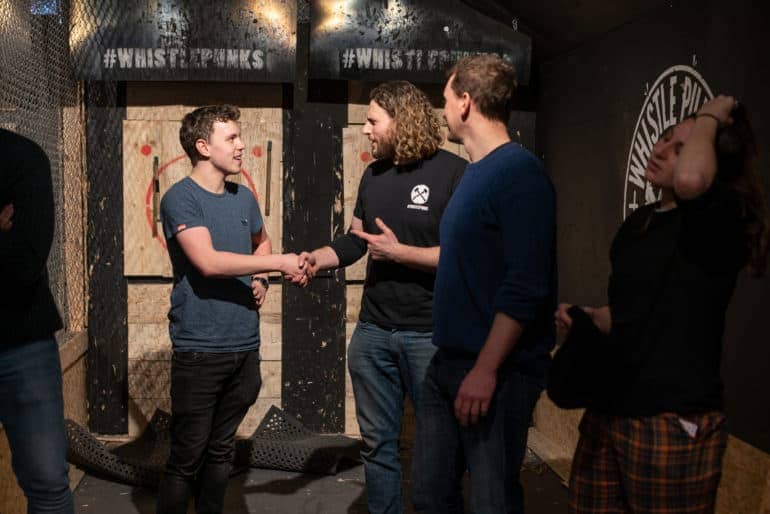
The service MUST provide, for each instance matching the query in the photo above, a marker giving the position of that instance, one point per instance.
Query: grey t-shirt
(211, 314)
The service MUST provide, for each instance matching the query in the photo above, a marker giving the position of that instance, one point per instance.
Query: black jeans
(210, 395)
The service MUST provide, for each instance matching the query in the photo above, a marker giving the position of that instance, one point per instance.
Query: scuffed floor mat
(280, 442)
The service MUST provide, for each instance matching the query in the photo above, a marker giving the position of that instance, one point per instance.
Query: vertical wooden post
(107, 371)
(313, 369)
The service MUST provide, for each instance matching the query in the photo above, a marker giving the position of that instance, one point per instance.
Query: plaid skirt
(664, 464)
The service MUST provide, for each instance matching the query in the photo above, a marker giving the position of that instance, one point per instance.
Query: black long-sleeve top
(27, 308)
(673, 274)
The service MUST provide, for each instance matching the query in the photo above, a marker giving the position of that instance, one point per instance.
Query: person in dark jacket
(31, 404)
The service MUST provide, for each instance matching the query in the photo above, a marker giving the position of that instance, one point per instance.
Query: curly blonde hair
(417, 132)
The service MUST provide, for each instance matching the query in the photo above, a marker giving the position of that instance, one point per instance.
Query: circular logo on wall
(420, 194)
(676, 93)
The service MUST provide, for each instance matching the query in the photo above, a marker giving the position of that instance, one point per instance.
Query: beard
(385, 149)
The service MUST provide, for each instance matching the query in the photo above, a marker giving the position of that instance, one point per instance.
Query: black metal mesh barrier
(39, 99)
(148, 453)
(280, 442)
(88, 453)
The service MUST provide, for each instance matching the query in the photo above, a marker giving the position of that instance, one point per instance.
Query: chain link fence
(40, 99)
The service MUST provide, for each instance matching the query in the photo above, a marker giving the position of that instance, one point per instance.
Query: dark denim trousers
(210, 395)
(384, 366)
(32, 414)
(491, 450)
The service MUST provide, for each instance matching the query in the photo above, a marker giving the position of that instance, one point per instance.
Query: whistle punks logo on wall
(676, 93)
(171, 58)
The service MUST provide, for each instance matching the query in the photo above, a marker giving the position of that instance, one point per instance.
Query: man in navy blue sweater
(494, 294)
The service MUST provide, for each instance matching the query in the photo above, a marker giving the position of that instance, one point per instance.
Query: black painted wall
(589, 102)
(313, 334)
(107, 365)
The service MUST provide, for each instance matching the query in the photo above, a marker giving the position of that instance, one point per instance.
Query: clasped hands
(383, 246)
(300, 269)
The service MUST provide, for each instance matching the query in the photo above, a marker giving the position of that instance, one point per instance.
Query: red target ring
(148, 196)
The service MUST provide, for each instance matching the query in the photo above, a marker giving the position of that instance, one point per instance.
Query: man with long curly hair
(401, 198)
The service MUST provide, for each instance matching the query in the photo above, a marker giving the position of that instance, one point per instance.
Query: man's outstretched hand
(382, 247)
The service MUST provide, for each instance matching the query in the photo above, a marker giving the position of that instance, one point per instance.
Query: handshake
(299, 269)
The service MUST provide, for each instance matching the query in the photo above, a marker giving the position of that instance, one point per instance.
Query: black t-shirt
(673, 273)
(410, 200)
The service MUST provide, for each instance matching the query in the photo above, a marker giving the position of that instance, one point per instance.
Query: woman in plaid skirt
(656, 446)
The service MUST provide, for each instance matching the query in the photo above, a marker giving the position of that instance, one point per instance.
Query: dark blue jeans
(491, 450)
(32, 414)
(384, 366)
(210, 395)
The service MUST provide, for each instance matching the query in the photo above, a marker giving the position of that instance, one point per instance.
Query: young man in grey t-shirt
(220, 253)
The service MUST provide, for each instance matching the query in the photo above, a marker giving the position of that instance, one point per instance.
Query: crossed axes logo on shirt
(420, 194)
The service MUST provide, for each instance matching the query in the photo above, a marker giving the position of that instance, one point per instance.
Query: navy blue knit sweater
(498, 249)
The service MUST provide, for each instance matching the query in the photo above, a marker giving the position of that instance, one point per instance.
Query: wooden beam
(107, 375)
(313, 375)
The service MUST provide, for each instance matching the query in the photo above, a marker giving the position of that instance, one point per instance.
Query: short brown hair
(489, 81)
(417, 132)
(199, 123)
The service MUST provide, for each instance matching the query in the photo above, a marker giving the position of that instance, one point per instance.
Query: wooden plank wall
(74, 219)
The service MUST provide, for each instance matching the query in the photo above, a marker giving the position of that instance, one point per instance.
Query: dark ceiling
(557, 26)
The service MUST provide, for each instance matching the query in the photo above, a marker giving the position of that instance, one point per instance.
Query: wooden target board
(145, 247)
